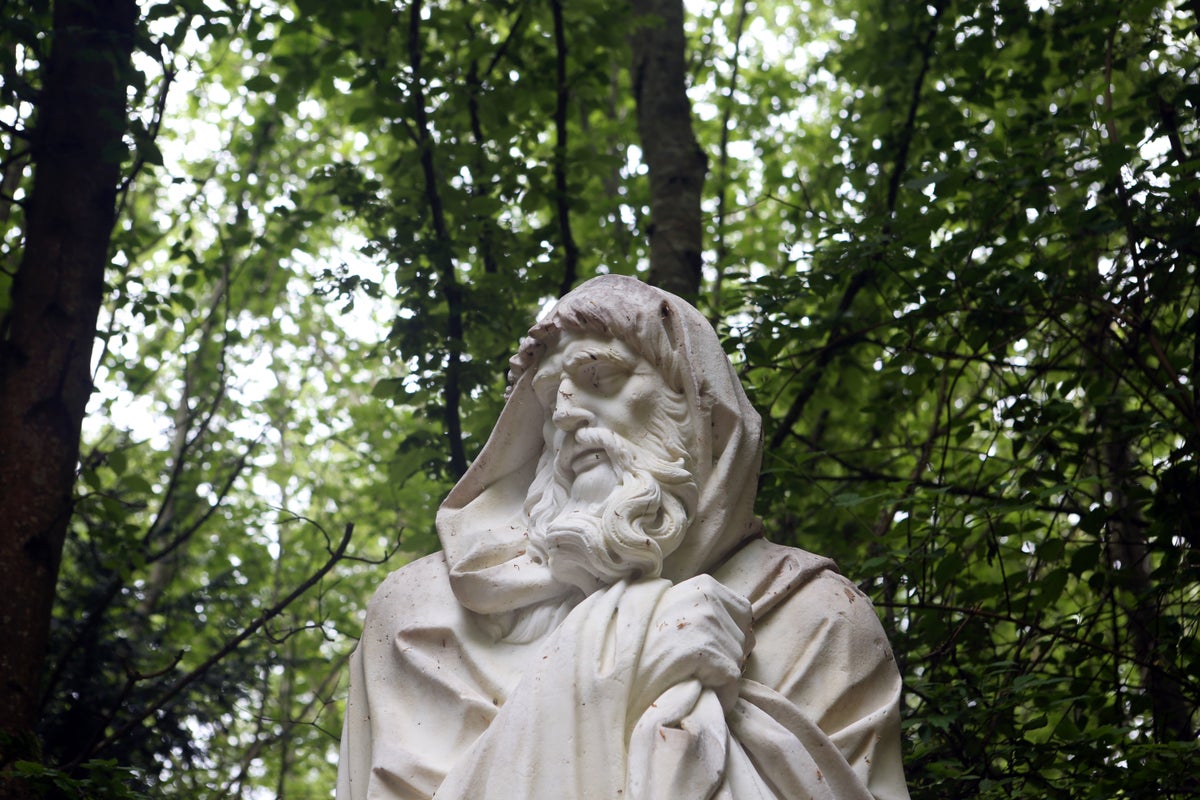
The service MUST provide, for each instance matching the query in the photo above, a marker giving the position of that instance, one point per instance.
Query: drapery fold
(446, 711)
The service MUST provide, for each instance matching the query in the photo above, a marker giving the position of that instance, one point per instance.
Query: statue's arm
(824, 650)
(699, 630)
(417, 697)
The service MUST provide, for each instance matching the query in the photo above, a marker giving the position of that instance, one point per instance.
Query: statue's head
(615, 488)
(627, 448)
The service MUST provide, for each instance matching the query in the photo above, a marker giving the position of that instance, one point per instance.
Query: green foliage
(952, 249)
(980, 371)
(93, 780)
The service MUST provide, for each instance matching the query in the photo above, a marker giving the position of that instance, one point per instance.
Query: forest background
(262, 265)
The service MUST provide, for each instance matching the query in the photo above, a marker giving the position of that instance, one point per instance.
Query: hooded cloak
(448, 702)
(481, 524)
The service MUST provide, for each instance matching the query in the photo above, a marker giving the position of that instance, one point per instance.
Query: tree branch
(866, 274)
(479, 187)
(441, 251)
(721, 246)
(170, 693)
(910, 123)
(1020, 622)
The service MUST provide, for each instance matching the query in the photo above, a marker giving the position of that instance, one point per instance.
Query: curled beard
(629, 534)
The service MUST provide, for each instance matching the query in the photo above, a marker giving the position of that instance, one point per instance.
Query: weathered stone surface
(605, 619)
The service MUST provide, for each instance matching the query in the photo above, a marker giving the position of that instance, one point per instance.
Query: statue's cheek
(642, 395)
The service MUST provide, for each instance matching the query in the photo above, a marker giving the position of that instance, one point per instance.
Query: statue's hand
(700, 630)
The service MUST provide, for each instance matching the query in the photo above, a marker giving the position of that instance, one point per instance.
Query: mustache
(629, 534)
(580, 444)
(625, 456)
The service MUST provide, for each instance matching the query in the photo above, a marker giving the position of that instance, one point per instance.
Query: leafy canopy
(951, 246)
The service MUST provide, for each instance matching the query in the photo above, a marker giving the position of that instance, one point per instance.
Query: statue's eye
(604, 377)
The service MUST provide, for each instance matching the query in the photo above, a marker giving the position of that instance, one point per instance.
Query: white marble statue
(605, 620)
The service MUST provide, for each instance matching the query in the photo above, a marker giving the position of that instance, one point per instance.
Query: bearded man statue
(605, 619)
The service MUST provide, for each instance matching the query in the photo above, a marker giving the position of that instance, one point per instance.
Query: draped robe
(440, 709)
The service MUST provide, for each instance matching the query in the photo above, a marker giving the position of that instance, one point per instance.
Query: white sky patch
(633, 161)
(741, 150)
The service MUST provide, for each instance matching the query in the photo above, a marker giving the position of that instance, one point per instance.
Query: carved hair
(647, 334)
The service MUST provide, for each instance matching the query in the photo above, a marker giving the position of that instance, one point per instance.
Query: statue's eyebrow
(587, 355)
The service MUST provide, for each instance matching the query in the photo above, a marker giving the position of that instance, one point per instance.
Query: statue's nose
(569, 415)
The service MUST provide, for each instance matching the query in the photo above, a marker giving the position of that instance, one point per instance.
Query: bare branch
(170, 693)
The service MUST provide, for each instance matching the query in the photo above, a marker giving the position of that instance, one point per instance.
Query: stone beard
(642, 519)
(605, 619)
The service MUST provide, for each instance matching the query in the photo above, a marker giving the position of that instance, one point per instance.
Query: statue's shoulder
(807, 614)
(410, 591)
(794, 588)
(767, 574)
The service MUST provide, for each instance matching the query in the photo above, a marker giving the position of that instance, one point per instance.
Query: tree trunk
(677, 164)
(47, 333)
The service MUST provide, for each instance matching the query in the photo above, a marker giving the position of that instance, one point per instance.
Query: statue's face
(615, 491)
(592, 382)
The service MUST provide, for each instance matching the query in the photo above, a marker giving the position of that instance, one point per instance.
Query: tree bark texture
(676, 163)
(47, 333)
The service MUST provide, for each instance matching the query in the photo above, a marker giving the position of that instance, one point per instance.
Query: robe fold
(441, 709)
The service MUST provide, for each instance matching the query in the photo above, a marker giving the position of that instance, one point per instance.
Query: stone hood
(482, 525)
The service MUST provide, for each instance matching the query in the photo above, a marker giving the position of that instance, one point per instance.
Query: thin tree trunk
(46, 334)
(443, 254)
(721, 245)
(677, 164)
(570, 250)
